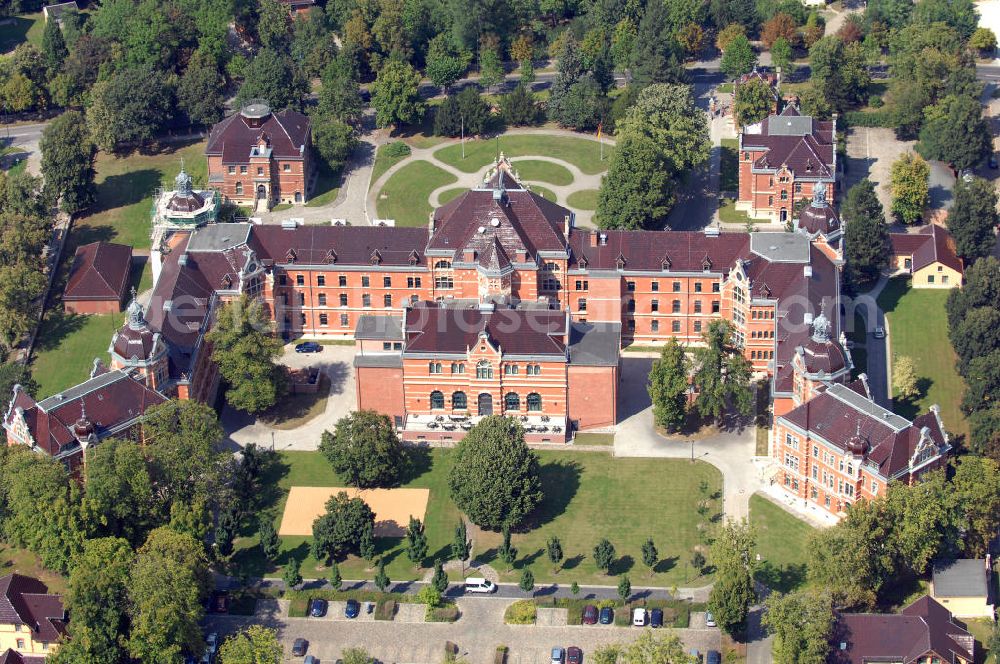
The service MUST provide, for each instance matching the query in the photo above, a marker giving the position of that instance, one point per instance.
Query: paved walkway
(731, 451)
(580, 182)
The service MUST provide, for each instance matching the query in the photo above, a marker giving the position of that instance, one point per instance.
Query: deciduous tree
(738, 58)
(180, 440)
(395, 97)
(754, 101)
(271, 76)
(254, 645)
(490, 68)
(781, 55)
(339, 97)
(338, 530)
(909, 187)
(365, 450)
(904, 377)
(200, 90)
(494, 480)
(722, 374)
(68, 162)
(733, 553)
(973, 218)
(445, 62)
(118, 498)
(334, 141)
(117, 115)
(779, 26)
(955, 131)
(983, 40)
(668, 386)
(802, 624)
(604, 555)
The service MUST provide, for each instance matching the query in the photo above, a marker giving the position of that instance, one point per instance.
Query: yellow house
(14, 657)
(32, 621)
(929, 255)
(963, 587)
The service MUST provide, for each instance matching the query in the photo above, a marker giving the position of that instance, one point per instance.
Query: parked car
(479, 585)
(557, 655)
(212, 642)
(880, 332)
(317, 608)
(299, 647)
(656, 618)
(607, 615)
(713, 657)
(709, 619)
(993, 162)
(574, 655)
(308, 347)
(639, 617)
(310, 659)
(589, 615)
(352, 609)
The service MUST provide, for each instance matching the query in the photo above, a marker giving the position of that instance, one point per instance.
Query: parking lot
(477, 634)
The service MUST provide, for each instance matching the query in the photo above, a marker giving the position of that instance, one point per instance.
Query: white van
(639, 617)
(479, 585)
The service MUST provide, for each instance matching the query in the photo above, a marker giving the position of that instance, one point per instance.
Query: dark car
(607, 615)
(713, 657)
(574, 655)
(589, 615)
(656, 618)
(317, 608)
(299, 647)
(308, 347)
(352, 609)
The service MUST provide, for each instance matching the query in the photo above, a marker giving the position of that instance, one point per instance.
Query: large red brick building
(782, 159)
(259, 157)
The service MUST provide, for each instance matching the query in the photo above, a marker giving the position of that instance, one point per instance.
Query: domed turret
(185, 199)
(818, 218)
(83, 428)
(858, 444)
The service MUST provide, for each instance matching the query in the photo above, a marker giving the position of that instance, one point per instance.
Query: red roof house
(929, 255)
(35, 617)
(98, 279)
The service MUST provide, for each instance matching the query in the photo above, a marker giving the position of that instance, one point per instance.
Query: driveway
(337, 362)
(477, 634)
(871, 152)
(731, 451)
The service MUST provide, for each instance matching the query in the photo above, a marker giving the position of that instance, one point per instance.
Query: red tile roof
(931, 244)
(26, 601)
(233, 138)
(923, 629)
(806, 146)
(100, 271)
(341, 245)
(679, 251)
(13, 657)
(432, 328)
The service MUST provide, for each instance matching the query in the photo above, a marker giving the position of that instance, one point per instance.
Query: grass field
(66, 348)
(918, 328)
(384, 161)
(582, 152)
(451, 194)
(729, 214)
(536, 170)
(781, 543)
(584, 199)
(24, 562)
(404, 196)
(125, 186)
(588, 496)
(17, 29)
(594, 439)
(729, 175)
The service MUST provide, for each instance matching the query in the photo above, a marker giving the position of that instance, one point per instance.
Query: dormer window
(290, 256)
(665, 263)
(582, 263)
(620, 262)
(331, 257)
(376, 257)
(414, 258)
(706, 263)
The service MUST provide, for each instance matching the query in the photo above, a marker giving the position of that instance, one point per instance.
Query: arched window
(434, 367)
(458, 401)
(437, 399)
(484, 370)
(443, 265)
(534, 401)
(298, 197)
(239, 188)
(457, 368)
(512, 401)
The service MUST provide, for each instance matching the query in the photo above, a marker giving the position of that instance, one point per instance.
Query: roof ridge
(282, 124)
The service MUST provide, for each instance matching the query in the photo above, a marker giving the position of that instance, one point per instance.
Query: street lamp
(692, 451)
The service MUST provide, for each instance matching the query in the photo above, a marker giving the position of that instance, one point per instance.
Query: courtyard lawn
(536, 170)
(781, 543)
(582, 152)
(384, 160)
(584, 199)
(24, 562)
(404, 196)
(918, 328)
(728, 213)
(67, 345)
(18, 29)
(588, 496)
(125, 186)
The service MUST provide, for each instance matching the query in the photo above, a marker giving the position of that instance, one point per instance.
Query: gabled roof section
(658, 251)
(26, 601)
(433, 328)
(233, 138)
(805, 145)
(930, 244)
(343, 245)
(100, 271)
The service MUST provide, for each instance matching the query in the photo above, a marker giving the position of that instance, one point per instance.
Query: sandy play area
(393, 508)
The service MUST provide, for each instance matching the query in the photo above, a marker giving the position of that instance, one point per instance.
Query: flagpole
(600, 139)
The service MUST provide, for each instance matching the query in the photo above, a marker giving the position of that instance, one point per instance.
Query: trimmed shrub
(446, 613)
(521, 612)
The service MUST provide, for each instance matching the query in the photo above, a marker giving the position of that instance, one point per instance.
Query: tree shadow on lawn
(561, 480)
(573, 562)
(784, 578)
(664, 565)
(57, 327)
(125, 189)
(623, 565)
(419, 462)
(910, 408)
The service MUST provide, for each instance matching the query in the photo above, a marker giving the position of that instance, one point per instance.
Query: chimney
(469, 255)
(807, 270)
(566, 225)
(593, 238)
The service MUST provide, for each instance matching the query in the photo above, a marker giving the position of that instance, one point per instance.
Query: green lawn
(595, 439)
(536, 170)
(547, 194)
(729, 214)
(584, 199)
(588, 496)
(781, 543)
(17, 29)
(404, 196)
(918, 327)
(24, 562)
(582, 152)
(67, 345)
(327, 188)
(729, 176)
(384, 161)
(125, 186)
(451, 194)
